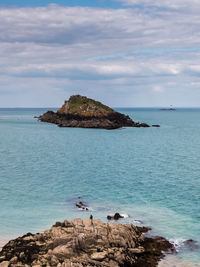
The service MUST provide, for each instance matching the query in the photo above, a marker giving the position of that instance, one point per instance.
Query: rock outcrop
(80, 111)
(88, 243)
(82, 206)
(116, 217)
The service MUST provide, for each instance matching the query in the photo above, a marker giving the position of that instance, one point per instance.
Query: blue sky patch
(33, 3)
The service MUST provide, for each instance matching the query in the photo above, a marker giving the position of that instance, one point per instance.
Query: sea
(150, 175)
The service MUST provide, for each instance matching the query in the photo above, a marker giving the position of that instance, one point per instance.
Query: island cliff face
(82, 243)
(80, 111)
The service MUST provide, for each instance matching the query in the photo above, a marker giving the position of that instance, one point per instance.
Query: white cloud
(158, 89)
(89, 49)
(195, 68)
(174, 4)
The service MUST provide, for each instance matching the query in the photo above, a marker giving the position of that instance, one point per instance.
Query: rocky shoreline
(82, 112)
(81, 243)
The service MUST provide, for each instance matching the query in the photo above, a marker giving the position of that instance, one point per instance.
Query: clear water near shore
(151, 174)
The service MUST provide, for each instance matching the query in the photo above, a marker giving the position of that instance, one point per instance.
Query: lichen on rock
(83, 106)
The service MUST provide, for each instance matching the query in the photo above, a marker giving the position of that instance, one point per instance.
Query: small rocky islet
(82, 112)
(81, 243)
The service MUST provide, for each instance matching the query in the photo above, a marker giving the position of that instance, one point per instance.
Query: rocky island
(81, 243)
(80, 111)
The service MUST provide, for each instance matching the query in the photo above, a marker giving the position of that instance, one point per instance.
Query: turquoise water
(151, 174)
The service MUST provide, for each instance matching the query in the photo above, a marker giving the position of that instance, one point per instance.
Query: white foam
(90, 209)
(125, 215)
(137, 221)
(85, 208)
(178, 243)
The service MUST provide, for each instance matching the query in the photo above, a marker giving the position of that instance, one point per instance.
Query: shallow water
(176, 261)
(151, 174)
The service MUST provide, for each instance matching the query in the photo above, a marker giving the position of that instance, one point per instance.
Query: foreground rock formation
(86, 243)
(80, 111)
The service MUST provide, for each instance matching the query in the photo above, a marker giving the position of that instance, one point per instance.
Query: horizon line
(167, 107)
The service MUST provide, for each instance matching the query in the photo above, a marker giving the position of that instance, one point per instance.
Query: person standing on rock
(91, 219)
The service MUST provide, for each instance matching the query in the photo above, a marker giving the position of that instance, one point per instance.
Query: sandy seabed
(175, 261)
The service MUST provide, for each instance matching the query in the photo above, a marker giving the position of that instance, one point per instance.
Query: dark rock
(191, 244)
(155, 125)
(116, 217)
(24, 245)
(143, 229)
(80, 111)
(57, 224)
(170, 109)
(153, 251)
(82, 206)
(138, 124)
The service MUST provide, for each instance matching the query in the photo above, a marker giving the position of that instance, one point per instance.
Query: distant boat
(171, 108)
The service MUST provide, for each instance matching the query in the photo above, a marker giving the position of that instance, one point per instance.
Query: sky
(125, 53)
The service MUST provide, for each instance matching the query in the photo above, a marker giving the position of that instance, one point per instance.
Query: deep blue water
(151, 174)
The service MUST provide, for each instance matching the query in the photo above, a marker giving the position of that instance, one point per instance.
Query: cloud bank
(124, 57)
(170, 4)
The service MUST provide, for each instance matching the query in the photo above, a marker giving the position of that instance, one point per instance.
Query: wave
(185, 244)
(178, 243)
(125, 215)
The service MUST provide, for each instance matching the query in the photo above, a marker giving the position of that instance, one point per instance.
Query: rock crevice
(88, 243)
